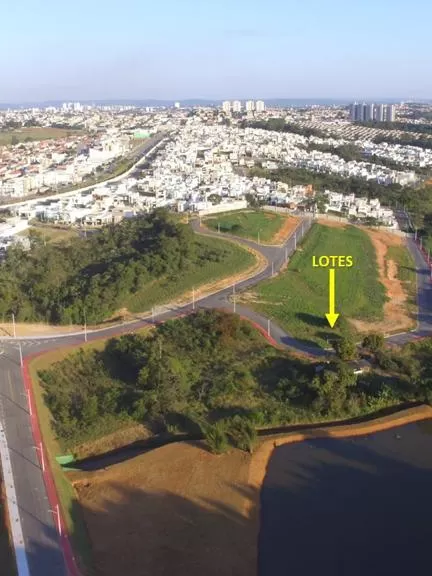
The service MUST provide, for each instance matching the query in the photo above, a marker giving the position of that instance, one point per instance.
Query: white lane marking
(11, 500)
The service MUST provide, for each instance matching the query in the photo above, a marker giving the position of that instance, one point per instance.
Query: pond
(349, 507)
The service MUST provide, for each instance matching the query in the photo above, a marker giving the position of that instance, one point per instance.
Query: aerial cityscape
(215, 289)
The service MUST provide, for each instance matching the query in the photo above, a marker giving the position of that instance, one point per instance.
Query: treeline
(91, 278)
(211, 372)
(329, 181)
(352, 152)
(279, 125)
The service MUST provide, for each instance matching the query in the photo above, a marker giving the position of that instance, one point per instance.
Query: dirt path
(289, 225)
(397, 317)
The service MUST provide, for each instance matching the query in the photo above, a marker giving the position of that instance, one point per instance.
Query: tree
(346, 348)
(373, 342)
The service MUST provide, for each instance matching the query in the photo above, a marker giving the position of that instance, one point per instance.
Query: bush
(373, 342)
(241, 433)
(216, 438)
(346, 349)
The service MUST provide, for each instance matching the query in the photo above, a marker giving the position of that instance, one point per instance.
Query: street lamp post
(13, 323)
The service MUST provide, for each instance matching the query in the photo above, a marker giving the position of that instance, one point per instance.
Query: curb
(48, 478)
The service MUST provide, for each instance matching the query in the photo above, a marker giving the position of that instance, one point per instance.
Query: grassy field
(34, 134)
(53, 234)
(7, 562)
(248, 224)
(166, 289)
(298, 299)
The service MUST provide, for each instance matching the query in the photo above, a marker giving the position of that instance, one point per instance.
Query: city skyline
(217, 52)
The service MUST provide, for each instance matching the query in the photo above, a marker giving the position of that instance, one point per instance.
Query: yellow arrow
(332, 316)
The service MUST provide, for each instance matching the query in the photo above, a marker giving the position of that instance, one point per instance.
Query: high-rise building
(226, 107)
(379, 113)
(390, 113)
(250, 106)
(237, 106)
(369, 112)
(372, 112)
(260, 106)
(177, 105)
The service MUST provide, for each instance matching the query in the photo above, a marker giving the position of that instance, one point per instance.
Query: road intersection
(44, 545)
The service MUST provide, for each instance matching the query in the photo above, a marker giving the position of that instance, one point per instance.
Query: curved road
(41, 538)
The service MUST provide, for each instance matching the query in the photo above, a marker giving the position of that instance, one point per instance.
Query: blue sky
(177, 49)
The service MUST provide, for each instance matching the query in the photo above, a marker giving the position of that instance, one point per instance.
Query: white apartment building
(250, 106)
(237, 106)
(226, 107)
(260, 106)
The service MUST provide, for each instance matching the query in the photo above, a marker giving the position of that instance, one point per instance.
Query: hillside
(135, 265)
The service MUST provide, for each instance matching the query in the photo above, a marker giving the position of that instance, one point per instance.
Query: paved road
(42, 542)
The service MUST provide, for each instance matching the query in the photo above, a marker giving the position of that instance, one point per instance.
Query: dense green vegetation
(297, 299)
(326, 181)
(279, 125)
(209, 373)
(138, 263)
(247, 224)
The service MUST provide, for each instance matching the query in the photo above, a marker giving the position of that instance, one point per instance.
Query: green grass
(298, 299)
(166, 289)
(35, 134)
(247, 224)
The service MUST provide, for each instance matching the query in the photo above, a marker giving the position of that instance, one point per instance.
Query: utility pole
(85, 326)
(21, 356)
(295, 241)
(268, 327)
(272, 269)
(14, 327)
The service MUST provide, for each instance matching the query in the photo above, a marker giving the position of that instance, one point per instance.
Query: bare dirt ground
(181, 510)
(396, 314)
(288, 227)
(177, 510)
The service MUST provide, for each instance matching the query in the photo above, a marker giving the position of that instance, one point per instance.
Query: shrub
(373, 342)
(216, 438)
(241, 433)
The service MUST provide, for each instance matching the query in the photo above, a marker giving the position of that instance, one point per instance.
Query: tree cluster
(92, 278)
(208, 373)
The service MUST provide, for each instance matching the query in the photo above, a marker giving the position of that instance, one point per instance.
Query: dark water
(350, 507)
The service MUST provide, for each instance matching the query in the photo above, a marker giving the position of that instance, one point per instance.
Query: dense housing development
(200, 162)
